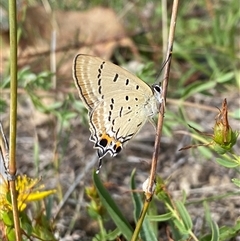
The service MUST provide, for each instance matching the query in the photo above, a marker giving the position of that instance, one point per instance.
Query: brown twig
(162, 108)
(149, 192)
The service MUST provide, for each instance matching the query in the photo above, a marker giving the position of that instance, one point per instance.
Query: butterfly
(118, 102)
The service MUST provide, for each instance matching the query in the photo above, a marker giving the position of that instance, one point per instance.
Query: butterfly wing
(119, 103)
(114, 130)
(95, 78)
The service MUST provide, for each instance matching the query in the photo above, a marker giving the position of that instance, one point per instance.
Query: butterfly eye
(157, 90)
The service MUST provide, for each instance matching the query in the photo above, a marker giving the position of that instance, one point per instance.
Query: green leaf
(7, 218)
(225, 77)
(160, 218)
(184, 215)
(180, 226)
(112, 208)
(212, 224)
(236, 181)
(206, 152)
(215, 231)
(11, 236)
(113, 235)
(197, 87)
(227, 233)
(226, 163)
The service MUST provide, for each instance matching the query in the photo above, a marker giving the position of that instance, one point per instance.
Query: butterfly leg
(164, 105)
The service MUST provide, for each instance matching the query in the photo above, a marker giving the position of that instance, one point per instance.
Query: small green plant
(222, 140)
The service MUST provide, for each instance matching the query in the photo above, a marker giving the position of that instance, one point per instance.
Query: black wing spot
(103, 142)
(127, 81)
(137, 87)
(129, 107)
(101, 66)
(102, 96)
(136, 99)
(115, 78)
(127, 98)
(139, 124)
(119, 148)
(111, 106)
(100, 73)
(129, 119)
(120, 112)
(100, 90)
(112, 100)
(109, 117)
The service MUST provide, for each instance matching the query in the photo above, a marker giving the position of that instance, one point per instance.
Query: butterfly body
(118, 102)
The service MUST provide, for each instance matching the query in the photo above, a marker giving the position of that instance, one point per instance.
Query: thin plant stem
(140, 221)
(155, 156)
(13, 114)
(149, 192)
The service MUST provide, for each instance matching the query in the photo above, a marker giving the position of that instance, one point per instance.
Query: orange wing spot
(107, 137)
(109, 143)
(106, 140)
(118, 144)
(117, 147)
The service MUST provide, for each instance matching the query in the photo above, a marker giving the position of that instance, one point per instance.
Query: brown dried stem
(162, 108)
(150, 191)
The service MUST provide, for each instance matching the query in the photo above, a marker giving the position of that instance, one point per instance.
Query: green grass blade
(215, 231)
(113, 210)
(184, 215)
(160, 218)
(226, 163)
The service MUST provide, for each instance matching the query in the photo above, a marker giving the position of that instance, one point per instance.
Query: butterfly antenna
(163, 65)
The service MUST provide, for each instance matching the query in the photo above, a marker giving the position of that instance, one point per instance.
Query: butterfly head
(157, 92)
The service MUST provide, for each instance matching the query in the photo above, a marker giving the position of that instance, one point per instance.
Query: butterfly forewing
(96, 78)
